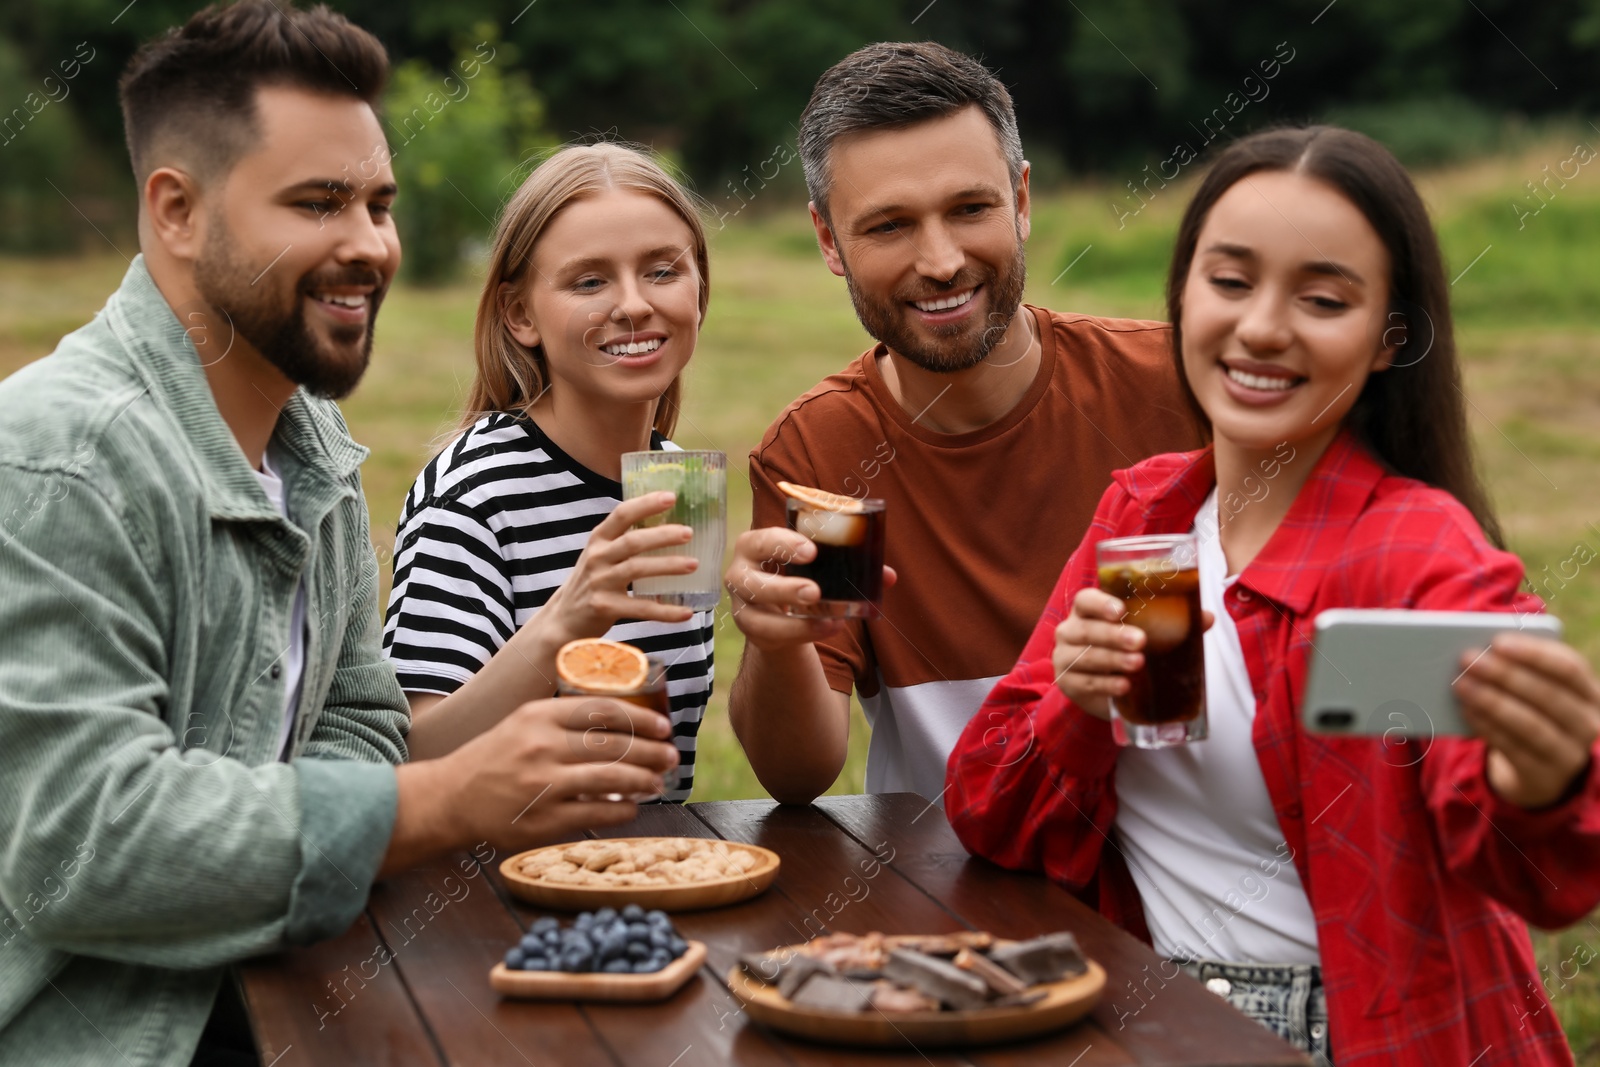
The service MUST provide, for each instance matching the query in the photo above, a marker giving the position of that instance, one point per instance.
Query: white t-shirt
(294, 658)
(1196, 824)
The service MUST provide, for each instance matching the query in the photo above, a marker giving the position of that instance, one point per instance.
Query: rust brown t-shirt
(979, 524)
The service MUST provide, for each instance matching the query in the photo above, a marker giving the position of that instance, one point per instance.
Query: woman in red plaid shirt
(1366, 900)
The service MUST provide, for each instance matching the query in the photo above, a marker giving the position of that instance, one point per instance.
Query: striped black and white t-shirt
(491, 528)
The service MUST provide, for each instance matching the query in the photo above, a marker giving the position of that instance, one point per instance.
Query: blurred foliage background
(1105, 87)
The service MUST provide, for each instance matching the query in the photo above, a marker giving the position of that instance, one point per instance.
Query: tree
(460, 142)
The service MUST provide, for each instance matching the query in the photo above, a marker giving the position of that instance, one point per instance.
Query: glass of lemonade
(1158, 578)
(848, 567)
(700, 482)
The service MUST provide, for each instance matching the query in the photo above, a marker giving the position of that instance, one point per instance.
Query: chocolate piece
(797, 970)
(937, 978)
(1020, 1000)
(942, 944)
(1043, 959)
(830, 992)
(764, 966)
(1000, 980)
(897, 1000)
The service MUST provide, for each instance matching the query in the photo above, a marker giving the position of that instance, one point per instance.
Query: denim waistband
(1253, 973)
(1286, 998)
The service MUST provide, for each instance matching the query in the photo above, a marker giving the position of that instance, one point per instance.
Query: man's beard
(959, 346)
(282, 335)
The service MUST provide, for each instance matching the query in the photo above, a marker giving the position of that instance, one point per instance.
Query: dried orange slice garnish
(602, 666)
(821, 498)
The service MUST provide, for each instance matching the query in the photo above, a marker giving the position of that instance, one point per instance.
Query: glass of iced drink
(848, 567)
(1158, 578)
(699, 480)
(596, 667)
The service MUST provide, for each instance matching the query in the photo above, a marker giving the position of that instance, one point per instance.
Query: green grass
(779, 322)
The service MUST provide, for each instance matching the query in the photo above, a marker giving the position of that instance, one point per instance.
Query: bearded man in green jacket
(201, 745)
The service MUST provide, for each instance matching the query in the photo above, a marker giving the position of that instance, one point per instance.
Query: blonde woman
(514, 539)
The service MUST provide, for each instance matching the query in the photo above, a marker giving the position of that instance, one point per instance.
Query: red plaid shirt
(1416, 871)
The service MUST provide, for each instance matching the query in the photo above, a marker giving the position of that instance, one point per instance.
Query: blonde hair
(510, 375)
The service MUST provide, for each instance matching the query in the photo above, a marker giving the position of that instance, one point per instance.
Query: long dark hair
(1413, 415)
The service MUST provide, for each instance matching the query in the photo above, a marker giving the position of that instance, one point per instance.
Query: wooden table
(408, 982)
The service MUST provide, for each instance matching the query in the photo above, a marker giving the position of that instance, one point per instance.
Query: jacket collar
(165, 357)
(1289, 568)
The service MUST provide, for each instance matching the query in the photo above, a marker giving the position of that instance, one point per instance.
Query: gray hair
(892, 85)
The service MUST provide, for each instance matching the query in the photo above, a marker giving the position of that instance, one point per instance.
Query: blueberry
(514, 957)
(659, 959)
(530, 943)
(552, 937)
(610, 947)
(576, 962)
(618, 966)
(646, 967)
(677, 946)
(544, 926)
(605, 915)
(619, 926)
(579, 943)
(657, 917)
(537, 963)
(583, 921)
(659, 938)
(638, 932)
(638, 951)
(633, 913)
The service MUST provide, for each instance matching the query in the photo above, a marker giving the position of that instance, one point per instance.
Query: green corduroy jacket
(148, 834)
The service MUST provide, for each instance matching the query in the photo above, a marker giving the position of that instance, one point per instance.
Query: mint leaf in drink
(656, 478)
(696, 485)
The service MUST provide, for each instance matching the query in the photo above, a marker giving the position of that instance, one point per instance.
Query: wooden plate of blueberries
(938, 990)
(556, 985)
(663, 962)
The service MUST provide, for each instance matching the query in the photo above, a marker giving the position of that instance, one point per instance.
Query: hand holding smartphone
(1389, 672)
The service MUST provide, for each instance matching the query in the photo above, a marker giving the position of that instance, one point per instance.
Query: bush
(1428, 132)
(459, 139)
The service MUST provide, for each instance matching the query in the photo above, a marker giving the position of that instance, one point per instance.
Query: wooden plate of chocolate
(966, 988)
(670, 873)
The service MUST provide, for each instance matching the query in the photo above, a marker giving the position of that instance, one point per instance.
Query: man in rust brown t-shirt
(988, 427)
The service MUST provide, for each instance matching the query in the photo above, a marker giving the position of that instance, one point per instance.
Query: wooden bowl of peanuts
(670, 873)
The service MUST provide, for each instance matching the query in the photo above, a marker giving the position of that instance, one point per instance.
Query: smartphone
(1388, 672)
